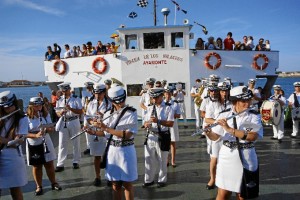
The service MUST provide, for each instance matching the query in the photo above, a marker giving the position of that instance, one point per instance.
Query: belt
(71, 118)
(180, 101)
(157, 133)
(122, 143)
(234, 145)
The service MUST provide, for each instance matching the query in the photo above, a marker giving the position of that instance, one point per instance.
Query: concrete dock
(279, 172)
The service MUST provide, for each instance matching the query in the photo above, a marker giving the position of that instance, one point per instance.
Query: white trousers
(295, 127)
(278, 130)
(183, 112)
(73, 127)
(198, 118)
(155, 160)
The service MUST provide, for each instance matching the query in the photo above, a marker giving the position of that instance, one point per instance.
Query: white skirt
(97, 148)
(12, 169)
(121, 164)
(174, 132)
(48, 156)
(213, 147)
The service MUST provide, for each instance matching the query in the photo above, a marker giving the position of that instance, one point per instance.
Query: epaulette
(131, 108)
(168, 104)
(254, 112)
(175, 101)
(206, 97)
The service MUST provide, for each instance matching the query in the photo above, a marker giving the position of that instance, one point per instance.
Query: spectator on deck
(229, 42)
(199, 44)
(249, 44)
(219, 43)
(108, 48)
(84, 50)
(100, 48)
(75, 53)
(260, 46)
(114, 47)
(244, 44)
(238, 46)
(57, 50)
(79, 52)
(268, 45)
(69, 52)
(210, 45)
(90, 48)
(49, 55)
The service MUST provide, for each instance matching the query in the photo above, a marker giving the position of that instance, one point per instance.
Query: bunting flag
(178, 7)
(132, 15)
(203, 28)
(142, 3)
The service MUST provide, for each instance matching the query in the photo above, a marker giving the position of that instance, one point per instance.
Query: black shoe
(86, 152)
(97, 182)
(279, 141)
(273, 138)
(75, 166)
(109, 183)
(292, 136)
(59, 169)
(174, 165)
(148, 184)
(39, 191)
(56, 186)
(160, 185)
(210, 187)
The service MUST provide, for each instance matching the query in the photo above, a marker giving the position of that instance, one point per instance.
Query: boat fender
(207, 58)
(262, 67)
(104, 65)
(64, 67)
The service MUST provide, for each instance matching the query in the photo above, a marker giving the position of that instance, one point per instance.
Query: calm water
(26, 93)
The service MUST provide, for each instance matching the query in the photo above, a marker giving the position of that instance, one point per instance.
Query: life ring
(207, 58)
(262, 67)
(104, 65)
(64, 67)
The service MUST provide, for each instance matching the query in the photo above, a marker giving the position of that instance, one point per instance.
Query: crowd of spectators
(86, 50)
(229, 44)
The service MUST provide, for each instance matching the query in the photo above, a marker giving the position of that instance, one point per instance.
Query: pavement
(279, 172)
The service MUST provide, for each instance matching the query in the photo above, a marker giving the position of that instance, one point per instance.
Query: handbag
(36, 154)
(103, 163)
(250, 179)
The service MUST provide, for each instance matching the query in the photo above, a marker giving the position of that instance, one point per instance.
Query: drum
(296, 113)
(271, 112)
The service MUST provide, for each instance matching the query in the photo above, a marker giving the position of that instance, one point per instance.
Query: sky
(29, 26)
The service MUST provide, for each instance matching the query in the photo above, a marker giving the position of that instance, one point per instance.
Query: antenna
(165, 12)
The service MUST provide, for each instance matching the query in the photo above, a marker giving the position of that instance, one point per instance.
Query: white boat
(162, 52)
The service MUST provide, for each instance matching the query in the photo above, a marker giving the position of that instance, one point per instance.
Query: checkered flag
(142, 3)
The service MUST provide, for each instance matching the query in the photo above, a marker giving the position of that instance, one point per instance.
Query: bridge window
(177, 39)
(134, 89)
(131, 41)
(154, 40)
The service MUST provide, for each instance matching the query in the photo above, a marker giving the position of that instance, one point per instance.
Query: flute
(65, 113)
(10, 114)
(216, 123)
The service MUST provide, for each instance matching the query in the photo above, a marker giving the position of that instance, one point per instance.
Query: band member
(256, 94)
(145, 98)
(107, 83)
(179, 94)
(69, 110)
(294, 104)
(278, 130)
(164, 83)
(213, 110)
(13, 174)
(97, 107)
(174, 131)
(196, 93)
(87, 96)
(121, 166)
(38, 115)
(159, 118)
(249, 129)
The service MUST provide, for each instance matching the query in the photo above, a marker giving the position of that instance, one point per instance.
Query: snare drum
(271, 112)
(296, 113)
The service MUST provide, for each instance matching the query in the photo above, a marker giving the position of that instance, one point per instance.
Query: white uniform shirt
(92, 108)
(72, 102)
(180, 96)
(86, 95)
(291, 99)
(175, 107)
(280, 97)
(256, 93)
(22, 128)
(33, 127)
(214, 108)
(145, 99)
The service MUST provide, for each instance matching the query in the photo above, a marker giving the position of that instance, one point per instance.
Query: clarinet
(65, 114)
(96, 137)
(46, 150)
(148, 132)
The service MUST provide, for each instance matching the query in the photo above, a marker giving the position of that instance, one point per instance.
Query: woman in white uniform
(97, 107)
(37, 116)
(213, 110)
(249, 129)
(12, 165)
(121, 166)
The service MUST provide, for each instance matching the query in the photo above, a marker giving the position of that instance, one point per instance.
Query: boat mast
(154, 13)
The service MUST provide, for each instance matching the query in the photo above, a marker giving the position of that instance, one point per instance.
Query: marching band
(228, 117)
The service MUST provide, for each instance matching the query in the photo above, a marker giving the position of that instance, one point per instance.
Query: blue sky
(29, 26)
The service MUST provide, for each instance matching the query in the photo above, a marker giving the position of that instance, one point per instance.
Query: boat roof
(155, 27)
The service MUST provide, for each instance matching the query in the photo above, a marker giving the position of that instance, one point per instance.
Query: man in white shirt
(294, 100)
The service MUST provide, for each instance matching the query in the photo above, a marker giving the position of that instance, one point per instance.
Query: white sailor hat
(36, 101)
(7, 99)
(223, 85)
(64, 86)
(227, 79)
(214, 77)
(240, 93)
(150, 81)
(251, 80)
(99, 88)
(297, 84)
(156, 92)
(164, 81)
(212, 86)
(277, 87)
(116, 94)
(169, 89)
(107, 82)
(88, 84)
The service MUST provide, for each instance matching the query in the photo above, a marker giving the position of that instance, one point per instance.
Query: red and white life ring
(207, 58)
(262, 67)
(64, 67)
(103, 68)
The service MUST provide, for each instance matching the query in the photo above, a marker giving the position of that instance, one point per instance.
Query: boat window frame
(183, 40)
(155, 49)
(137, 42)
(140, 87)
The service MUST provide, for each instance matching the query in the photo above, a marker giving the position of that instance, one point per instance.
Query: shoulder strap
(296, 102)
(7, 134)
(155, 114)
(237, 140)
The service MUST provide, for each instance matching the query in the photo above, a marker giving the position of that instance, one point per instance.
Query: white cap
(64, 86)
(7, 98)
(214, 77)
(107, 82)
(277, 87)
(88, 84)
(223, 85)
(116, 94)
(36, 101)
(297, 84)
(99, 88)
(150, 81)
(240, 93)
(156, 92)
(251, 80)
